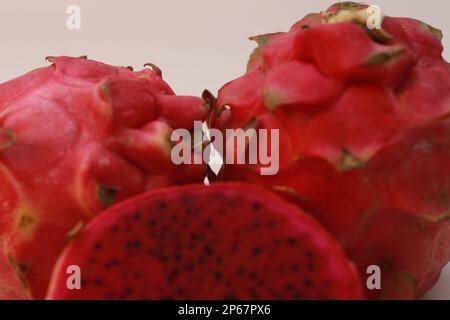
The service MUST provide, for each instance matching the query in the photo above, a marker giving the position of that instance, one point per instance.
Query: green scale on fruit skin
(360, 154)
(231, 241)
(106, 195)
(7, 138)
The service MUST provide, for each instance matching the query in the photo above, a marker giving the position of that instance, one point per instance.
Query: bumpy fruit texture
(364, 136)
(10, 285)
(231, 241)
(76, 137)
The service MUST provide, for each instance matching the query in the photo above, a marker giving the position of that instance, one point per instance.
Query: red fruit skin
(244, 95)
(78, 136)
(10, 285)
(421, 38)
(352, 157)
(360, 124)
(306, 88)
(224, 215)
(346, 51)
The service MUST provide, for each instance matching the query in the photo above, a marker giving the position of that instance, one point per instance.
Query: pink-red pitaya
(76, 137)
(364, 120)
(231, 241)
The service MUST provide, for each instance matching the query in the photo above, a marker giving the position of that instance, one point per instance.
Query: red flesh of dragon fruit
(232, 241)
(364, 136)
(75, 137)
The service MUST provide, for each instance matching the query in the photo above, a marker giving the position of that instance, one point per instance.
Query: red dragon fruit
(232, 241)
(76, 137)
(364, 126)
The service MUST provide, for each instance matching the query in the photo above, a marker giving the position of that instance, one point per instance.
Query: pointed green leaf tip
(347, 12)
(379, 35)
(400, 285)
(443, 202)
(350, 5)
(348, 161)
(209, 100)
(356, 13)
(254, 58)
(106, 195)
(384, 56)
(427, 28)
(444, 217)
(7, 138)
(261, 40)
(106, 94)
(272, 100)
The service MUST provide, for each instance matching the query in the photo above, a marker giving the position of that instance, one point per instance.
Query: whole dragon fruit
(364, 125)
(76, 137)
